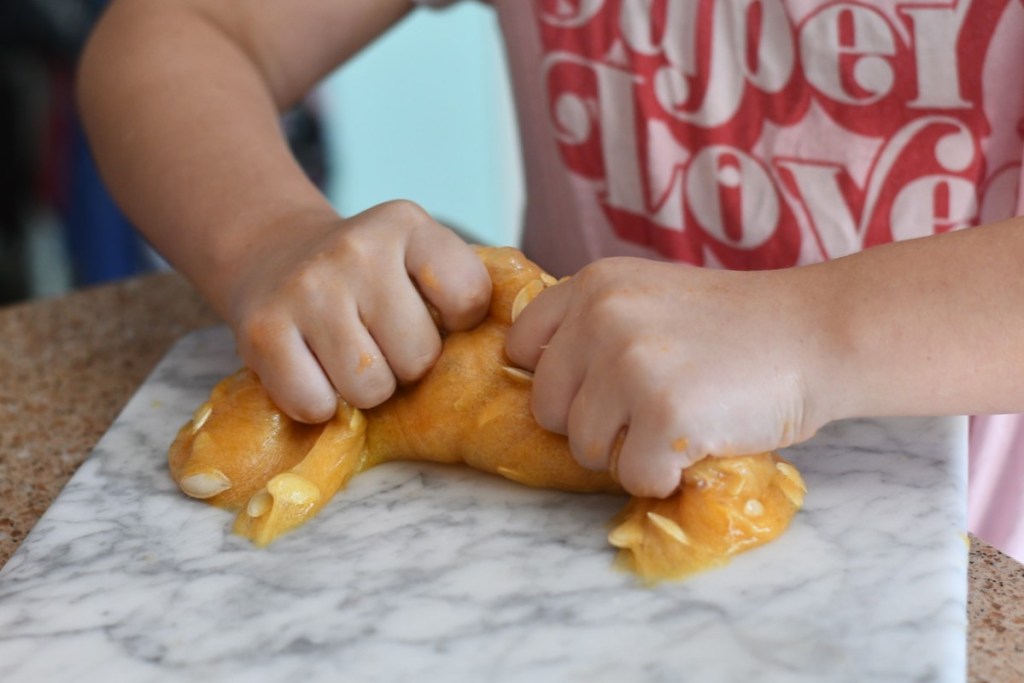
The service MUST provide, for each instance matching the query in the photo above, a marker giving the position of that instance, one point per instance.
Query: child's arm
(181, 101)
(698, 361)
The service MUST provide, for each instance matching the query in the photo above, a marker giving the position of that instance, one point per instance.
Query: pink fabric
(711, 133)
(773, 134)
(996, 482)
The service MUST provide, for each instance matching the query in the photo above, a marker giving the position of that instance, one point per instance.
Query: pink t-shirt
(767, 133)
(762, 134)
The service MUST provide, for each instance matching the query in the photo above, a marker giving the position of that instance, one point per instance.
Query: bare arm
(181, 102)
(180, 99)
(932, 326)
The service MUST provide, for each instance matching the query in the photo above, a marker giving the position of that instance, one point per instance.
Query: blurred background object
(436, 95)
(59, 225)
(425, 114)
(38, 43)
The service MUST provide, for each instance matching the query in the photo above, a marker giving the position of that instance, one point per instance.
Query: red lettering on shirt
(668, 109)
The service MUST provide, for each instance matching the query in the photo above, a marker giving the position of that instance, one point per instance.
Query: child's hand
(690, 361)
(337, 308)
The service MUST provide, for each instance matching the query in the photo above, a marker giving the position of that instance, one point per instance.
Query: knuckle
(306, 401)
(315, 273)
(406, 212)
(375, 389)
(591, 454)
(355, 250)
(639, 363)
(258, 333)
(478, 286)
(661, 488)
(472, 298)
(649, 480)
(313, 410)
(609, 306)
(308, 280)
(418, 364)
(601, 275)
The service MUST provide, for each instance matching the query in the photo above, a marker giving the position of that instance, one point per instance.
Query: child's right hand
(338, 308)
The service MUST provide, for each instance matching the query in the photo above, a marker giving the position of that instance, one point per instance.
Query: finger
(351, 358)
(595, 419)
(535, 327)
(556, 381)
(402, 327)
(289, 372)
(653, 456)
(450, 276)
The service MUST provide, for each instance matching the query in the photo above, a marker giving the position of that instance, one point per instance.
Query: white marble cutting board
(433, 573)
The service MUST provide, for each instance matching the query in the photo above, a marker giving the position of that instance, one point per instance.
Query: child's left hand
(689, 361)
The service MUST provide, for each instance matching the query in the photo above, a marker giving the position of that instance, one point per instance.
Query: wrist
(832, 388)
(238, 256)
(855, 376)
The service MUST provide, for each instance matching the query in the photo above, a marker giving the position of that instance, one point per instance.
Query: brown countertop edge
(68, 365)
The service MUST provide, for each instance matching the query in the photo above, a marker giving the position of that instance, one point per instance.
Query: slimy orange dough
(241, 453)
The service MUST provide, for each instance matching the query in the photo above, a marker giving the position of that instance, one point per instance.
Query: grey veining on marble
(435, 573)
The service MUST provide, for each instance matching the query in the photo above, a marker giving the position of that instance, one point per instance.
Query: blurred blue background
(424, 114)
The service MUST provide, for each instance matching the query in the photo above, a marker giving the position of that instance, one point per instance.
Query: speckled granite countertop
(68, 365)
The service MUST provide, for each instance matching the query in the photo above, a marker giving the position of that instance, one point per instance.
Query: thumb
(537, 324)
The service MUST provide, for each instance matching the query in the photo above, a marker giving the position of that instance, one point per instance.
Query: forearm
(184, 125)
(930, 326)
